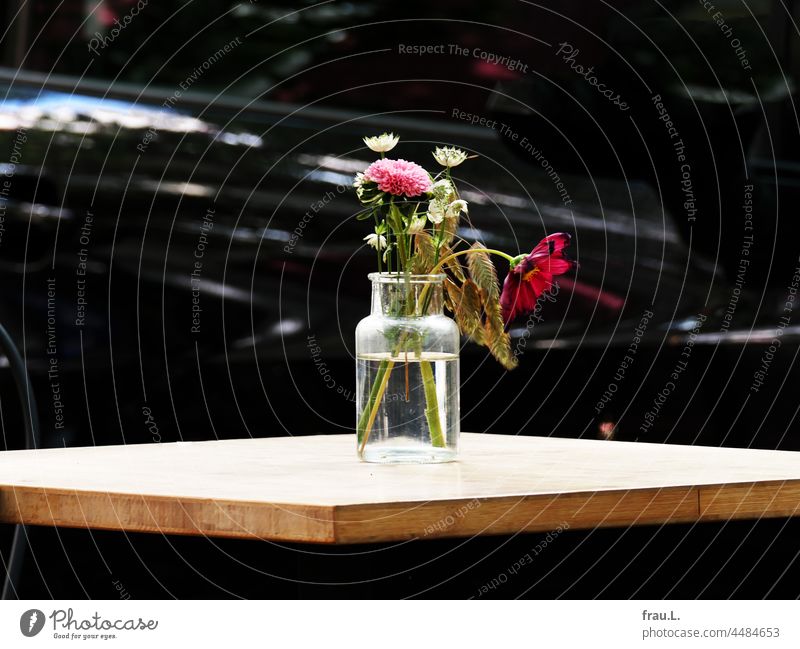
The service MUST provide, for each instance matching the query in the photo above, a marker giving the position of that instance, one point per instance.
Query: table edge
(399, 521)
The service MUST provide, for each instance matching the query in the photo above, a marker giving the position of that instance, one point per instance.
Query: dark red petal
(548, 249)
(556, 265)
(518, 296)
(540, 282)
(509, 294)
(552, 244)
(546, 260)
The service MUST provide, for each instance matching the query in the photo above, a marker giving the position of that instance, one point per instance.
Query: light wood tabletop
(313, 489)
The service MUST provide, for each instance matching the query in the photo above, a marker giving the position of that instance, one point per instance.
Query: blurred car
(178, 237)
(190, 213)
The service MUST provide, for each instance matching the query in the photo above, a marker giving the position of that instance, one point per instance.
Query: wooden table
(313, 489)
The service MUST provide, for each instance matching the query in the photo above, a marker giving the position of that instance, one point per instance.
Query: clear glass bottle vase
(407, 383)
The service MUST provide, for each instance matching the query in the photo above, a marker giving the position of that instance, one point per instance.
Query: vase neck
(398, 295)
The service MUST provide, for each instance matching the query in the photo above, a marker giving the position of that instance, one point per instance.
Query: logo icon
(31, 622)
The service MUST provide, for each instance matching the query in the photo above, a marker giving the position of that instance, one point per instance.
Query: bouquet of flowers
(416, 217)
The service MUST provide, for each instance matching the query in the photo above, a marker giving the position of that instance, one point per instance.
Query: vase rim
(387, 278)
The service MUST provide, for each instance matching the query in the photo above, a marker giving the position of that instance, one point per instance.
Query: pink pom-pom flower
(398, 177)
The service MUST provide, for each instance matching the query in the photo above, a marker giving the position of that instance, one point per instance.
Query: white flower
(449, 156)
(442, 189)
(382, 143)
(377, 241)
(366, 190)
(456, 207)
(436, 211)
(416, 225)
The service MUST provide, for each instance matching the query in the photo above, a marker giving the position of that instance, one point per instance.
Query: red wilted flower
(531, 275)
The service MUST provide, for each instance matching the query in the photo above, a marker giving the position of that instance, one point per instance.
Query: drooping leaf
(450, 228)
(454, 266)
(482, 271)
(452, 295)
(424, 253)
(480, 319)
(496, 339)
(476, 305)
(499, 345)
(468, 309)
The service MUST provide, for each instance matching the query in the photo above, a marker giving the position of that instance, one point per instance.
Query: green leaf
(368, 193)
(395, 218)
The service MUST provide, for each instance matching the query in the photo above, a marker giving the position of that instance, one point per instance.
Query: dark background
(153, 128)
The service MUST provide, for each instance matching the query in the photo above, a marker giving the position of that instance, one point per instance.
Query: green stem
(424, 294)
(439, 242)
(402, 252)
(491, 251)
(428, 382)
(431, 404)
(371, 404)
(377, 248)
(369, 413)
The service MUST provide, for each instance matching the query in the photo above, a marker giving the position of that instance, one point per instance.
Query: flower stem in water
(431, 404)
(375, 397)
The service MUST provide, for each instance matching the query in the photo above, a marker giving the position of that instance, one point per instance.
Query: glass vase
(407, 379)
